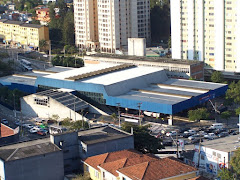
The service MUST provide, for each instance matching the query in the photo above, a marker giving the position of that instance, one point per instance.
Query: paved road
(8, 114)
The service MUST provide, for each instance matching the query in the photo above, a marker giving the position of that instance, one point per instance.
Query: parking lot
(190, 135)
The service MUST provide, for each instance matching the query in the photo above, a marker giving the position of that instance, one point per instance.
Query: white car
(33, 130)
(191, 138)
(29, 126)
(192, 131)
(172, 133)
(210, 136)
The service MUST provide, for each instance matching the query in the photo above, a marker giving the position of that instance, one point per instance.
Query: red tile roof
(6, 131)
(158, 169)
(139, 166)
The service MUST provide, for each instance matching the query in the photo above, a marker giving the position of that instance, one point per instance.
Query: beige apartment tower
(207, 30)
(107, 24)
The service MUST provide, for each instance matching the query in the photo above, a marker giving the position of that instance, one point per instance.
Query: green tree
(233, 92)
(160, 20)
(237, 111)
(235, 162)
(43, 45)
(85, 176)
(198, 114)
(114, 116)
(217, 77)
(225, 174)
(143, 141)
(226, 115)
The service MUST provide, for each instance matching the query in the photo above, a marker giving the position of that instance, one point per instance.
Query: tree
(217, 77)
(43, 44)
(85, 176)
(198, 114)
(226, 115)
(143, 141)
(225, 174)
(237, 111)
(114, 116)
(233, 92)
(160, 20)
(68, 28)
(235, 162)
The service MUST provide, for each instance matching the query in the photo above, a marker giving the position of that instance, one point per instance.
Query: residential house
(133, 165)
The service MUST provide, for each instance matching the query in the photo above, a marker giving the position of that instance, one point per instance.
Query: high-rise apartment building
(207, 30)
(107, 24)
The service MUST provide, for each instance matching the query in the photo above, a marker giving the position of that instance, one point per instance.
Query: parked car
(4, 121)
(29, 126)
(42, 132)
(223, 134)
(192, 132)
(33, 130)
(172, 133)
(210, 136)
(38, 123)
(197, 140)
(191, 138)
(186, 134)
(216, 126)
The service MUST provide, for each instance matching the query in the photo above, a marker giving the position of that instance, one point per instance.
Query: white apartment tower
(207, 30)
(107, 24)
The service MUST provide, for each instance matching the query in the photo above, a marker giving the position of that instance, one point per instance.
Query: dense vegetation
(143, 141)
(67, 61)
(160, 20)
(11, 97)
(61, 27)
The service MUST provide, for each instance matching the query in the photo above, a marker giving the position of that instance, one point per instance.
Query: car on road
(172, 133)
(223, 134)
(4, 121)
(186, 134)
(29, 126)
(191, 138)
(210, 136)
(192, 132)
(42, 132)
(33, 130)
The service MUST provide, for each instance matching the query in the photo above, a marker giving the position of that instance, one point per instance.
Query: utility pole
(75, 109)
(50, 51)
(139, 113)
(119, 119)
(177, 146)
(82, 116)
(199, 152)
(14, 107)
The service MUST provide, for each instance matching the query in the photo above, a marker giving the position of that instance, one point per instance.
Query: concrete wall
(30, 108)
(136, 46)
(69, 144)
(46, 166)
(104, 147)
(2, 170)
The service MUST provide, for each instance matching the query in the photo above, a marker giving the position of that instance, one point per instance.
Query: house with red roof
(133, 165)
(8, 134)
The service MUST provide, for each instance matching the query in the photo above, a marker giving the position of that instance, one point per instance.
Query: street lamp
(119, 119)
(139, 113)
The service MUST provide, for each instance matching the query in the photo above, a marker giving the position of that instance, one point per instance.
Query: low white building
(45, 104)
(216, 154)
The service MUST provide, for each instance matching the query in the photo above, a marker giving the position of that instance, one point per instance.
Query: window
(214, 153)
(43, 101)
(96, 173)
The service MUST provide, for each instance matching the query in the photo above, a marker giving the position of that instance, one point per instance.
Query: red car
(42, 133)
